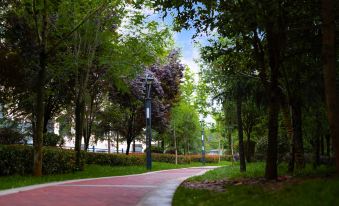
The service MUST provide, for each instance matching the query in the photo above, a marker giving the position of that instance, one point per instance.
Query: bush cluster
(18, 159)
(52, 140)
(11, 136)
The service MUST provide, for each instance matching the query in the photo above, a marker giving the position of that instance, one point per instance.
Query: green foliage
(11, 136)
(51, 139)
(17, 159)
(185, 121)
(155, 149)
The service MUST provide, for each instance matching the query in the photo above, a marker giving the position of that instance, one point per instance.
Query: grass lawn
(307, 190)
(91, 171)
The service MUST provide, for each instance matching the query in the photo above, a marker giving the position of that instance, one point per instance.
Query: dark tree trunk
(163, 145)
(240, 132)
(328, 145)
(322, 145)
(38, 141)
(47, 114)
(297, 135)
(289, 128)
(329, 68)
(271, 171)
(128, 146)
(229, 137)
(273, 42)
(130, 135)
(316, 151)
(89, 123)
(79, 127)
(248, 146)
(291, 160)
(117, 142)
(134, 145)
(40, 94)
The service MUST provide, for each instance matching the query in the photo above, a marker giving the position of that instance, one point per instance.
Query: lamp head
(149, 79)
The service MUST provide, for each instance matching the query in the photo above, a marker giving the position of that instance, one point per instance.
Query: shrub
(52, 140)
(18, 159)
(155, 149)
(261, 148)
(11, 136)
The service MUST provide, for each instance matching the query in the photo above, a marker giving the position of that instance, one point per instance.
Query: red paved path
(115, 191)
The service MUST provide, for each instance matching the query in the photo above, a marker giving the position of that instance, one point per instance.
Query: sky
(183, 40)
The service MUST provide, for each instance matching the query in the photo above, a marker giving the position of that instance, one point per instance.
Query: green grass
(91, 171)
(311, 191)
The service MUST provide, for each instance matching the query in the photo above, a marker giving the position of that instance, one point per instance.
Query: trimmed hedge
(182, 159)
(140, 159)
(115, 159)
(18, 159)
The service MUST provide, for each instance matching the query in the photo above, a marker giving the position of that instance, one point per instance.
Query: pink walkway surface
(115, 191)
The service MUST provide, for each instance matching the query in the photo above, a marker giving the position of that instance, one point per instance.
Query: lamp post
(149, 79)
(203, 142)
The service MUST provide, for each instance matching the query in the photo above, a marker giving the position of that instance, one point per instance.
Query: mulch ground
(221, 185)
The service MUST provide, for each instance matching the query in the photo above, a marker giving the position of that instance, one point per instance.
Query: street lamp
(203, 142)
(149, 79)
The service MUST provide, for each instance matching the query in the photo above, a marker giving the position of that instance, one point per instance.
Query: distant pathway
(153, 188)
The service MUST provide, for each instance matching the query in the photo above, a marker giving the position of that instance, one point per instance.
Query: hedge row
(115, 159)
(18, 159)
(184, 159)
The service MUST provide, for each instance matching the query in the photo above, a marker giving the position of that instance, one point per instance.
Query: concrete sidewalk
(152, 188)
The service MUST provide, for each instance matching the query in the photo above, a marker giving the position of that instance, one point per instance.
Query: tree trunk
(133, 145)
(163, 145)
(128, 146)
(229, 139)
(328, 146)
(117, 142)
(316, 151)
(79, 128)
(240, 132)
(271, 171)
(322, 145)
(109, 143)
(47, 115)
(38, 140)
(130, 137)
(329, 68)
(248, 146)
(288, 125)
(40, 96)
(297, 135)
(175, 145)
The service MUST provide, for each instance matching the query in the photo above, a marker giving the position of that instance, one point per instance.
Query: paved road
(153, 188)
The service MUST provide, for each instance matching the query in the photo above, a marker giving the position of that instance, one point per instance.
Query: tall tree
(329, 68)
